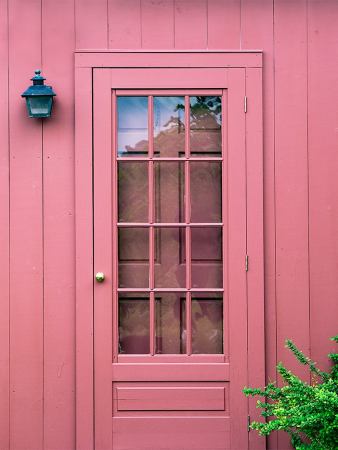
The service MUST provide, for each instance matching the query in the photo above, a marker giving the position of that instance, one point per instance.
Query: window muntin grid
(186, 158)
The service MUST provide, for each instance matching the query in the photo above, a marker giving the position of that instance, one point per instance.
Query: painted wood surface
(255, 235)
(192, 435)
(4, 232)
(103, 220)
(300, 183)
(237, 228)
(145, 370)
(170, 399)
(26, 236)
(323, 184)
(291, 183)
(84, 420)
(258, 32)
(58, 235)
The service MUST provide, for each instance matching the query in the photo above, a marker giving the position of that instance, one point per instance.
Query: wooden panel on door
(170, 398)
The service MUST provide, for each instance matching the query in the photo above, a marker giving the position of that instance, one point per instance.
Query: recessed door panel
(170, 398)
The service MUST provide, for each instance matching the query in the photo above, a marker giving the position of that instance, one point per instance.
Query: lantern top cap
(37, 77)
(38, 88)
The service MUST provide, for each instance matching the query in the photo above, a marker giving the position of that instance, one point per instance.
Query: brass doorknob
(99, 277)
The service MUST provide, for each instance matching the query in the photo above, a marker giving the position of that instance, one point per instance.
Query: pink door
(170, 230)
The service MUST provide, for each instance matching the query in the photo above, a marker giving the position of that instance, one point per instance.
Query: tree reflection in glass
(134, 323)
(168, 126)
(206, 125)
(170, 332)
(207, 323)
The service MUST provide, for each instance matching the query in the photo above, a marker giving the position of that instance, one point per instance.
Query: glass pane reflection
(133, 192)
(205, 125)
(207, 323)
(206, 257)
(206, 191)
(132, 117)
(170, 330)
(134, 323)
(169, 191)
(169, 266)
(133, 257)
(168, 126)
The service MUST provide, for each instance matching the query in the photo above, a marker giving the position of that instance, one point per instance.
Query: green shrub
(307, 412)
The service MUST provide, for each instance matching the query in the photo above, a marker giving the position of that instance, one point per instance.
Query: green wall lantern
(39, 98)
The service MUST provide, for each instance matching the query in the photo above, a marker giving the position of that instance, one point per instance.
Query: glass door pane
(133, 189)
(170, 326)
(133, 257)
(169, 126)
(134, 329)
(132, 117)
(206, 125)
(207, 323)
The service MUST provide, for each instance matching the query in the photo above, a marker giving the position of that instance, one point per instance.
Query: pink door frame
(86, 62)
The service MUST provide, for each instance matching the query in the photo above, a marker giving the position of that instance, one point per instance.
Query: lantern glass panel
(39, 106)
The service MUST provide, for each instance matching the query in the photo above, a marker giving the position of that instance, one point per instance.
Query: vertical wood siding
(323, 167)
(4, 230)
(291, 182)
(26, 234)
(300, 89)
(58, 228)
(257, 19)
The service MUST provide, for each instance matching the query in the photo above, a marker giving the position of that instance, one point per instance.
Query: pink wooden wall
(37, 307)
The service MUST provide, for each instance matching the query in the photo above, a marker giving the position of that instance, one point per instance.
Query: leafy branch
(307, 412)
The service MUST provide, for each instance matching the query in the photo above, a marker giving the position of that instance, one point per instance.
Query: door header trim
(177, 59)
